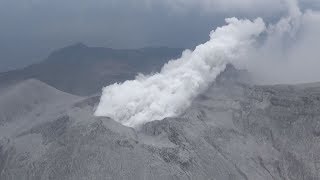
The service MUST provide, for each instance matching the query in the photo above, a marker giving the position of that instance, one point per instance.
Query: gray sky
(30, 29)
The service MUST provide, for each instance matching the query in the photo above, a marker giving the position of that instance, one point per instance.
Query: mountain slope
(29, 102)
(83, 70)
(232, 131)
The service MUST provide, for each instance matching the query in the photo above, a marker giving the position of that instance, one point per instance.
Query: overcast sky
(30, 29)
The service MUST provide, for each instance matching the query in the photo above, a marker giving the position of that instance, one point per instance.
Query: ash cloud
(288, 53)
(169, 92)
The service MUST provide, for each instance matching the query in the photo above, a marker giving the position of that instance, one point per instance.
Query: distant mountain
(83, 70)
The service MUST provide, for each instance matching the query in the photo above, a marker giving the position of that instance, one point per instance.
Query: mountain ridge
(234, 130)
(82, 70)
(21, 98)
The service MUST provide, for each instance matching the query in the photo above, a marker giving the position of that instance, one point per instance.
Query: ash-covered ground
(235, 130)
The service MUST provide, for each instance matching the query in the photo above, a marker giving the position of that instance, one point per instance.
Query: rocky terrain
(236, 130)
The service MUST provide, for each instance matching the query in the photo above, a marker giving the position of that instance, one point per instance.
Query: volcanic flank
(233, 129)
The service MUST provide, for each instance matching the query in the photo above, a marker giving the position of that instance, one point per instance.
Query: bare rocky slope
(235, 130)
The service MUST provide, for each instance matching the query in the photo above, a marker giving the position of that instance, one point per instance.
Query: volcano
(234, 130)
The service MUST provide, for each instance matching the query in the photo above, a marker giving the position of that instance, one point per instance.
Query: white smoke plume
(169, 92)
(290, 53)
(289, 48)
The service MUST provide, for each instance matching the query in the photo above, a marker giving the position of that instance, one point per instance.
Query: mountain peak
(75, 46)
(232, 74)
(68, 51)
(78, 45)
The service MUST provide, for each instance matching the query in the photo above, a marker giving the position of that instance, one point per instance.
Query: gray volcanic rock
(232, 131)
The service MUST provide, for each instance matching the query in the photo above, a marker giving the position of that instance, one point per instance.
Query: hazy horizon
(32, 29)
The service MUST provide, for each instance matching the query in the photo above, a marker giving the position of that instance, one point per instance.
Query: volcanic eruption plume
(171, 91)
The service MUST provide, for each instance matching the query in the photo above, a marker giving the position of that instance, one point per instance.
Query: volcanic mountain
(235, 130)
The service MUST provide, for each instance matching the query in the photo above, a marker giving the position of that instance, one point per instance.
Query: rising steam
(169, 92)
(290, 54)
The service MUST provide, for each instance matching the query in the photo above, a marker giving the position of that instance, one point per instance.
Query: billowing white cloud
(169, 92)
(288, 53)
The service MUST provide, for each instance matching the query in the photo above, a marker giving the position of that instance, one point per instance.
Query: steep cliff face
(232, 131)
